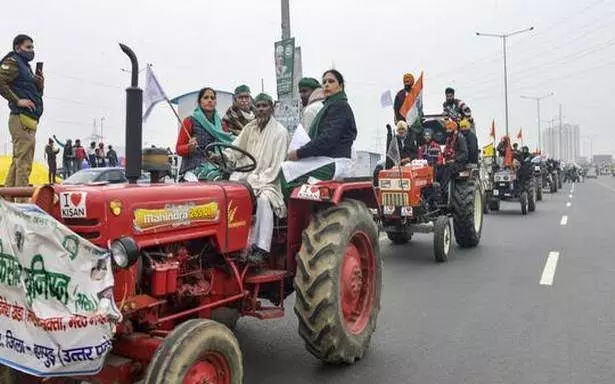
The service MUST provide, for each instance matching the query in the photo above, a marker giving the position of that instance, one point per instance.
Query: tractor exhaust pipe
(134, 120)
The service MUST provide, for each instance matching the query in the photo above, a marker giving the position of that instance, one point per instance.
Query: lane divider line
(548, 274)
(568, 204)
(564, 220)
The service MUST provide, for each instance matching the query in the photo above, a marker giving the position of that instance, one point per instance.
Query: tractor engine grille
(395, 198)
(86, 228)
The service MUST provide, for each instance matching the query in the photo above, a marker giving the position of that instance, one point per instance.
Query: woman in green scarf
(198, 130)
(332, 134)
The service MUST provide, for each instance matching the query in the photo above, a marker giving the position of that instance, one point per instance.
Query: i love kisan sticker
(72, 204)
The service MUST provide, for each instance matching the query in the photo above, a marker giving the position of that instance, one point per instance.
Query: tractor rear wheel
(442, 238)
(531, 198)
(399, 238)
(538, 193)
(467, 204)
(339, 282)
(198, 351)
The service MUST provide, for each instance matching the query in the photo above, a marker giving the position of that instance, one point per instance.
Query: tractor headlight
(385, 183)
(405, 184)
(124, 252)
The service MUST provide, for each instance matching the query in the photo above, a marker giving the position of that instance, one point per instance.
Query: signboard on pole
(284, 66)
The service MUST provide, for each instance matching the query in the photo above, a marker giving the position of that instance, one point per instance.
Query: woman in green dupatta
(332, 135)
(198, 130)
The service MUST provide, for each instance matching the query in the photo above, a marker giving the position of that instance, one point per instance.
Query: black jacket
(399, 101)
(336, 133)
(472, 143)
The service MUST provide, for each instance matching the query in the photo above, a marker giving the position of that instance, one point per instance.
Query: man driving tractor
(455, 155)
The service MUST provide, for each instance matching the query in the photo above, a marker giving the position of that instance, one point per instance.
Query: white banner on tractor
(57, 314)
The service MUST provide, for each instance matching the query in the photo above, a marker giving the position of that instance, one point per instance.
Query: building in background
(602, 160)
(365, 163)
(564, 143)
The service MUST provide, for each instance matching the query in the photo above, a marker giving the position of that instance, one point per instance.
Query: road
(534, 303)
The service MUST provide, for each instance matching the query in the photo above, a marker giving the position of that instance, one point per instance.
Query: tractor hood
(149, 213)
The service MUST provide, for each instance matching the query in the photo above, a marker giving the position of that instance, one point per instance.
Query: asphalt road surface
(534, 303)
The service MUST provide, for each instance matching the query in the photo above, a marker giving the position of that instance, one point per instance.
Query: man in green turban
(241, 112)
(266, 140)
(312, 96)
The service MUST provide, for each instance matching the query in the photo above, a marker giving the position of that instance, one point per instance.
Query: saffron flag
(520, 134)
(153, 93)
(413, 103)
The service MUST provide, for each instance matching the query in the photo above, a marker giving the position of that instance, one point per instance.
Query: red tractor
(411, 202)
(181, 278)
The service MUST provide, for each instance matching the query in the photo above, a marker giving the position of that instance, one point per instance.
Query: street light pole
(538, 99)
(505, 36)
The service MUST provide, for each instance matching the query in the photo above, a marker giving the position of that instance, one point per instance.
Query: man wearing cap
(312, 96)
(23, 89)
(401, 96)
(266, 140)
(240, 113)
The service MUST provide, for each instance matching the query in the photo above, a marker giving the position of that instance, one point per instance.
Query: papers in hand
(299, 139)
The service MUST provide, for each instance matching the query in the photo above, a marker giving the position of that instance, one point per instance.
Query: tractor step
(263, 276)
(267, 313)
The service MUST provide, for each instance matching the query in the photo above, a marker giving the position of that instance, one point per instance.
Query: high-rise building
(564, 143)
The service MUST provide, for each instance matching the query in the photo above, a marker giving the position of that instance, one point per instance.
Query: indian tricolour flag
(413, 102)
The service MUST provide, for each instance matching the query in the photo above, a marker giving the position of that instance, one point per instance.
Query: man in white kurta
(266, 140)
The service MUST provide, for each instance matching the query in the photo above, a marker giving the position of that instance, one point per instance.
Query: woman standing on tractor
(333, 131)
(198, 130)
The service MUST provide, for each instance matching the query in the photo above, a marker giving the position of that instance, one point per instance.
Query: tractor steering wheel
(221, 162)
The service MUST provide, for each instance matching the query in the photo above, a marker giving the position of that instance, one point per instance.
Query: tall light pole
(102, 138)
(538, 110)
(505, 36)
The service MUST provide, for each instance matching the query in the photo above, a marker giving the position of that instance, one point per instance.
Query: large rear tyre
(399, 238)
(531, 199)
(523, 199)
(339, 282)
(467, 206)
(442, 239)
(198, 351)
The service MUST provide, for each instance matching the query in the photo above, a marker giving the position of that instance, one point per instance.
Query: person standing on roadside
(50, 154)
(23, 89)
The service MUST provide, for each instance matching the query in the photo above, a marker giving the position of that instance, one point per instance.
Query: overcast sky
(224, 43)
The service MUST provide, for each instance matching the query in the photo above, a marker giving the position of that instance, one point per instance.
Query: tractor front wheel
(198, 351)
(339, 282)
(442, 238)
(523, 199)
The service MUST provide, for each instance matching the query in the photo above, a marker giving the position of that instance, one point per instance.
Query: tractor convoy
(182, 280)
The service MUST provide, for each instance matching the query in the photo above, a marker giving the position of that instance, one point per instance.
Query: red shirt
(181, 148)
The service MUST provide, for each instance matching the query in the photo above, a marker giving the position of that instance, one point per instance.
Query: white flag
(386, 100)
(393, 151)
(153, 93)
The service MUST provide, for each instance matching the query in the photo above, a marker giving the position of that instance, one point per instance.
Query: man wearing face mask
(23, 89)
(267, 140)
(401, 96)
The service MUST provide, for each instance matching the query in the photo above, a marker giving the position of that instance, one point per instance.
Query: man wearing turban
(312, 96)
(401, 96)
(240, 113)
(266, 140)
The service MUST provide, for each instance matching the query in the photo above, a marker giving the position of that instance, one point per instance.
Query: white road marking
(549, 272)
(570, 196)
(564, 220)
(568, 204)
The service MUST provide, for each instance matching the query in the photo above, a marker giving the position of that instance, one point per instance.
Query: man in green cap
(312, 96)
(240, 113)
(267, 140)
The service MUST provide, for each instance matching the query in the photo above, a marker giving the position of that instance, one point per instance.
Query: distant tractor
(411, 202)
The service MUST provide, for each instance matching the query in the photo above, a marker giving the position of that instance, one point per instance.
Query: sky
(192, 44)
